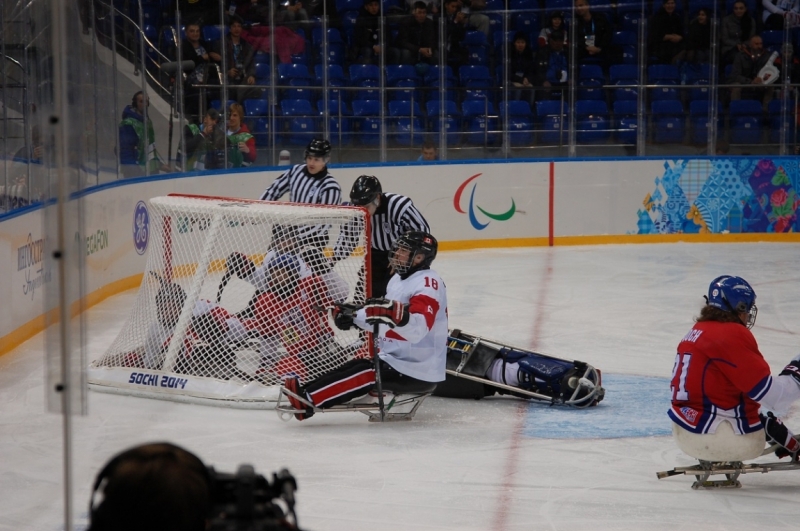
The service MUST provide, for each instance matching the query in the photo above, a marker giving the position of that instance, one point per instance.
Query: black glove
(343, 316)
(239, 265)
(778, 433)
(391, 313)
(792, 369)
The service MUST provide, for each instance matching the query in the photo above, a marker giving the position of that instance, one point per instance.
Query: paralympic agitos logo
(473, 219)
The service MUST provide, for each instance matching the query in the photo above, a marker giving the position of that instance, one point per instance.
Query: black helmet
(319, 147)
(416, 242)
(365, 190)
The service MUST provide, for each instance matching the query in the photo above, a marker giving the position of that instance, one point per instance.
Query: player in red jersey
(287, 316)
(721, 376)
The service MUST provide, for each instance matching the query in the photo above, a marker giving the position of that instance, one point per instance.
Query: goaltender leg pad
(343, 384)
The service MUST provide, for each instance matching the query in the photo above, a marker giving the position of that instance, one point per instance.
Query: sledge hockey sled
(399, 403)
(553, 380)
(723, 453)
(730, 469)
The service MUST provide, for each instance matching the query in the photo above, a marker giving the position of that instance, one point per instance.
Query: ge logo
(141, 227)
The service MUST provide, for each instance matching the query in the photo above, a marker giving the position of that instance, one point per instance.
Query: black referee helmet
(365, 190)
(319, 147)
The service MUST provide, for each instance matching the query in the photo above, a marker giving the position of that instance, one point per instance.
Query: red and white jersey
(719, 374)
(418, 349)
(295, 320)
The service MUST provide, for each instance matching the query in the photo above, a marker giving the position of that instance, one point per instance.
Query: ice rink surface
(497, 464)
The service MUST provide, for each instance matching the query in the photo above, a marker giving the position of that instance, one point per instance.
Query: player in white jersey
(412, 328)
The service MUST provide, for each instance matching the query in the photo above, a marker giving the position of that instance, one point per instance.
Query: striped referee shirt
(395, 216)
(319, 189)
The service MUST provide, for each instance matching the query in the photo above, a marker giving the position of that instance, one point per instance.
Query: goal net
(235, 297)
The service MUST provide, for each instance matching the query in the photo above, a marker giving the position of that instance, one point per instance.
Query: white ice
(460, 464)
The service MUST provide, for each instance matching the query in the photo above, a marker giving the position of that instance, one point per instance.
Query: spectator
(592, 35)
(554, 22)
(522, 66)
(666, 34)
(429, 151)
(367, 33)
(194, 48)
(137, 149)
(455, 31)
(416, 42)
(698, 39)
(239, 56)
(745, 71)
(552, 66)
(787, 57)
(474, 20)
(780, 14)
(291, 14)
(205, 145)
(242, 145)
(159, 487)
(737, 28)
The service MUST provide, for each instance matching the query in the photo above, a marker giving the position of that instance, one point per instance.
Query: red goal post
(235, 296)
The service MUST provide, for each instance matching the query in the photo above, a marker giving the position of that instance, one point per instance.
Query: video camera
(247, 501)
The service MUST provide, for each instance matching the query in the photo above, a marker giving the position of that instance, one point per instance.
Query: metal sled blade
(401, 407)
(731, 470)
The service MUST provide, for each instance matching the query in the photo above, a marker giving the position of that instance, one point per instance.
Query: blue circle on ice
(634, 406)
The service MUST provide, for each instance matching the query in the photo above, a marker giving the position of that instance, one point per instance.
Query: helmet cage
(415, 243)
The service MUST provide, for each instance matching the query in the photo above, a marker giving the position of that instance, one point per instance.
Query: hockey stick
(378, 383)
(222, 283)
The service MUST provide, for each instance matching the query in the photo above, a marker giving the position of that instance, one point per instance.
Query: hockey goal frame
(135, 381)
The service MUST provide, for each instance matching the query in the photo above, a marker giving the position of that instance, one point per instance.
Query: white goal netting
(235, 297)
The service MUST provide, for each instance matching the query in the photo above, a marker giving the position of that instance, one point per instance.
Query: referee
(310, 182)
(392, 216)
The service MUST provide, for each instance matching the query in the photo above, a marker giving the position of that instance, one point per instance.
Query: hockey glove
(343, 316)
(382, 311)
(778, 433)
(239, 265)
(793, 369)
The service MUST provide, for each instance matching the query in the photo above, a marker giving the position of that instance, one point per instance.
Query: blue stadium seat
(698, 74)
(366, 115)
(624, 74)
(348, 5)
(299, 121)
(336, 82)
(591, 80)
(406, 121)
(480, 122)
(552, 115)
(336, 45)
(432, 75)
(626, 122)
(519, 119)
(627, 42)
(528, 23)
(213, 33)
(668, 121)
(255, 112)
(523, 5)
(451, 120)
(361, 73)
(698, 121)
(668, 76)
(217, 104)
(773, 40)
(477, 48)
(339, 121)
(395, 73)
(593, 125)
(629, 21)
(776, 125)
(263, 73)
(745, 121)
